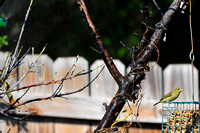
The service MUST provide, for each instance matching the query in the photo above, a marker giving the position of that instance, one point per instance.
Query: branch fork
(129, 84)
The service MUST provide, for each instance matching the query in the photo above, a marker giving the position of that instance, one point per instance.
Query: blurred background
(59, 24)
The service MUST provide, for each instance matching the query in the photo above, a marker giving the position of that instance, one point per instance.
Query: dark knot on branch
(160, 25)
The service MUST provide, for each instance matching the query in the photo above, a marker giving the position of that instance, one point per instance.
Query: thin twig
(21, 33)
(56, 95)
(47, 83)
(29, 69)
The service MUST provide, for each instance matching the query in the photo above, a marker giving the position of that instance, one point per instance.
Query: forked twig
(55, 95)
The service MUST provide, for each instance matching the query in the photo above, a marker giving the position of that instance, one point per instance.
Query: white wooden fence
(88, 104)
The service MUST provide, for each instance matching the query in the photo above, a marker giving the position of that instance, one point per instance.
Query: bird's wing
(167, 95)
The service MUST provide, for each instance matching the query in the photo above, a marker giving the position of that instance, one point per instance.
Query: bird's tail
(156, 103)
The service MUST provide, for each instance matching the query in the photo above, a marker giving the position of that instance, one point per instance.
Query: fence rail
(88, 104)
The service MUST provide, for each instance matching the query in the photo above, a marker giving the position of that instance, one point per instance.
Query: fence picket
(152, 90)
(180, 76)
(65, 126)
(152, 85)
(104, 86)
(41, 73)
(62, 67)
(7, 124)
(36, 125)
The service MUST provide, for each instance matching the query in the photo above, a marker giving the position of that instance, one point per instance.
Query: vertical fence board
(105, 86)
(42, 73)
(180, 76)
(8, 123)
(152, 85)
(152, 90)
(63, 65)
(64, 126)
(36, 125)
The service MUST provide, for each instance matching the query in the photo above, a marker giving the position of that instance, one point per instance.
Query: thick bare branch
(160, 28)
(131, 81)
(100, 44)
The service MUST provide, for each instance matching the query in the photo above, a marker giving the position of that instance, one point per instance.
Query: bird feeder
(3, 22)
(181, 117)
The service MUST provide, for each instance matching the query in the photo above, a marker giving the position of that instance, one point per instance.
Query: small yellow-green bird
(171, 96)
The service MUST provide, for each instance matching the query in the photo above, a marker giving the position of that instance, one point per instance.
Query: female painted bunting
(171, 96)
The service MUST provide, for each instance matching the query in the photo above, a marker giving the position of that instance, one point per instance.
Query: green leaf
(3, 41)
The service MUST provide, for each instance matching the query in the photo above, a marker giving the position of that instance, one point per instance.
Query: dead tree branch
(54, 95)
(47, 83)
(128, 84)
(146, 15)
(99, 42)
